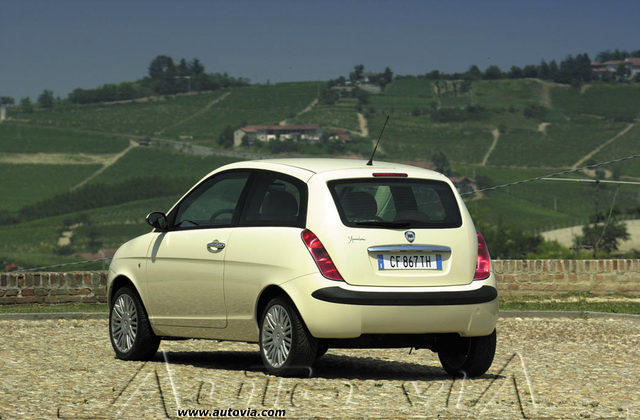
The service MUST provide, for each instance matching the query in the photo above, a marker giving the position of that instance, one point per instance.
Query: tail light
(483, 262)
(390, 174)
(320, 255)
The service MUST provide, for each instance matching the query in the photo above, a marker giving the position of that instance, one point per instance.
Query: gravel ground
(543, 368)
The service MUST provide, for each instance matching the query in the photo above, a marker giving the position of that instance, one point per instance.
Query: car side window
(275, 200)
(213, 203)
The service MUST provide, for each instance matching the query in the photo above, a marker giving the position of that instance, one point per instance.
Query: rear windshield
(395, 203)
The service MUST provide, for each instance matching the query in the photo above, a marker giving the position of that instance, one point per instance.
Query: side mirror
(158, 220)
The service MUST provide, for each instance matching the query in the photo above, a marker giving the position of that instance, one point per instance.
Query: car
(303, 255)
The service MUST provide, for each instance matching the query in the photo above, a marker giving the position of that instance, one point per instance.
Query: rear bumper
(336, 310)
(352, 297)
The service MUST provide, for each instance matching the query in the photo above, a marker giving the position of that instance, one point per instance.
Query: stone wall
(85, 287)
(515, 277)
(554, 277)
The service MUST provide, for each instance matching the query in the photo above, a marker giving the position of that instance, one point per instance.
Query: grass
(249, 105)
(19, 137)
(341, 115)
(611, 305)
(148, 161)
(542, 204)
(416, 138)
(506, 93)
(625, 145)
(614, 101)
(620, 307)
(409, 86)
(138, 119)
(24, 184)
(563, 144)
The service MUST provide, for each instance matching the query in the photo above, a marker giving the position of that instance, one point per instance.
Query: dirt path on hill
(496, 135)
(542, 127)
(110, 162)
(307, 109)
(546, 91)
(196, 114)
(603, 145)
(56, 158)
(364, 127)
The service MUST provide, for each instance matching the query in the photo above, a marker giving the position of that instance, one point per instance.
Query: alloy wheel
(277, 335)
(124, 323)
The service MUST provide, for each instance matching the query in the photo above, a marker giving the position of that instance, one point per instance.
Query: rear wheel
(286, 346)
(467, 356)
(322, 350)
(131, 335)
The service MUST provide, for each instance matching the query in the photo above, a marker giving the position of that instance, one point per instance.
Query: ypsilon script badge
(410, 236)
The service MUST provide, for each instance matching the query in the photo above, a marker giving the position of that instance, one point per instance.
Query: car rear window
(395, 203)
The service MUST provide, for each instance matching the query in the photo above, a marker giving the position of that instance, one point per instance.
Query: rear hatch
(396, 230)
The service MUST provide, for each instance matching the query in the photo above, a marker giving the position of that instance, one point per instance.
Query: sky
(65, 44)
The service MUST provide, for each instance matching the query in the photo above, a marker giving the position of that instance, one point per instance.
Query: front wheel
(131, 335)
(467, 356)
(286, 346)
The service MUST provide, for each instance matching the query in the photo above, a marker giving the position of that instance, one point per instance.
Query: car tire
(322, 350)
(129, 330)
(467, 356)
(286, 346)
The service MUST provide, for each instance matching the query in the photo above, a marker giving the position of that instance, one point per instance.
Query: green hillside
(493, 131)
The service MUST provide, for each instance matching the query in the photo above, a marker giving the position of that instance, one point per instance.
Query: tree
(441, 163)
(46, 99)
(474, 73)
(362, 95)
(493, 72)
(622, 72)
(530, 71)
(544, 72)
(196, 67)
(183, 68)
(385, 78)
(6, 100)
(515, 72)
(225, 139)
(25, 105)
(159, 67)
(328, 96)
(603, 236)
(358, 71)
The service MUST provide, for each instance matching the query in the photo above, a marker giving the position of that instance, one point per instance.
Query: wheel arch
(266, 295)
(119, 282)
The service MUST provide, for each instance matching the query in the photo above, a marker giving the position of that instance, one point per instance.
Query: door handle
(215, 244)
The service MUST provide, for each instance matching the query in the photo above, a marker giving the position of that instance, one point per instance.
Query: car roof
(319, 165)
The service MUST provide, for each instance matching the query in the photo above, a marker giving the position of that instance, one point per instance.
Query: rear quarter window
(407, 202)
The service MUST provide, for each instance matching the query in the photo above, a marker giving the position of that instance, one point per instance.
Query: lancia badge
(410, 235)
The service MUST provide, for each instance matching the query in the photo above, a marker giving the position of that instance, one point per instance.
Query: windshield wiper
(382, 223)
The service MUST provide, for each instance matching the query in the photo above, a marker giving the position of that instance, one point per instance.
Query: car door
(186, 264)
(267, 246)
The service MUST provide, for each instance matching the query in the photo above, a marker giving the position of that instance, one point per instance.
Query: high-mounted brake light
(483, 262)
(320, 255)
(394, 174)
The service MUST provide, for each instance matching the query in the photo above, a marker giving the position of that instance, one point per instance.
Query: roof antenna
(378, 142)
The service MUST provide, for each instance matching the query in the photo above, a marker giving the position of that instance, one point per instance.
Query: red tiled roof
(256, 128)
(613, 62)
(600, 70)
(634, 61)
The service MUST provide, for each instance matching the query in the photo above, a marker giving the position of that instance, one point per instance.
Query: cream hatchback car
(303, 255)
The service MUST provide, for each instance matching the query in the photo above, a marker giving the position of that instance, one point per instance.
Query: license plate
(409, 262)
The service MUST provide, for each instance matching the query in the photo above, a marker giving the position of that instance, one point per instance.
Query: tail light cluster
(483, 262)
(320, 255)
